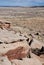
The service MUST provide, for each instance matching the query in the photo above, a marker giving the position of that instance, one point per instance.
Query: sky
(21, 2)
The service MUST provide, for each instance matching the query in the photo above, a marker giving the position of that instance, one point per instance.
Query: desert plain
(25, 38)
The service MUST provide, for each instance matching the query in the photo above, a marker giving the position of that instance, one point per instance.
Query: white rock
(36, 44)
(27, 61)
(4, 61)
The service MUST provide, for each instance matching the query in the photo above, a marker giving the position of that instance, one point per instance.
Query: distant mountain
(23, 6)
(36, 6)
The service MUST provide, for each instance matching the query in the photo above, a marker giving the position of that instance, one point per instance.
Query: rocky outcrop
(15, 51)
(19, 47)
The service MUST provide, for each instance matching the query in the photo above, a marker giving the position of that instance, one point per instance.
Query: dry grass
(32, 18)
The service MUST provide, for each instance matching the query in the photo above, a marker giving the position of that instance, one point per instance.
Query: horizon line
(22, 6)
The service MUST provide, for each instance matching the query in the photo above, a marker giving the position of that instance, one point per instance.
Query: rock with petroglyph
(15, 51)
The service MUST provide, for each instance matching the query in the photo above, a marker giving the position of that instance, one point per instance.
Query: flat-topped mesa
(16, 50)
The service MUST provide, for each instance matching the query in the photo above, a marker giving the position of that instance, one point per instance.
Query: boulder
(36, 44)
(16, 50)
(10, 36)
(26, 61)
(40, 58)
(4, 61)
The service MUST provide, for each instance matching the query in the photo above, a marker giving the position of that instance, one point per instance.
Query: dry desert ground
(21, 35)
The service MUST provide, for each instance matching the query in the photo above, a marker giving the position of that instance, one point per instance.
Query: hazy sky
(21, 2)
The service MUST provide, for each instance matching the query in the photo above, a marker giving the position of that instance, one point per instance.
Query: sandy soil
(31, 18)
